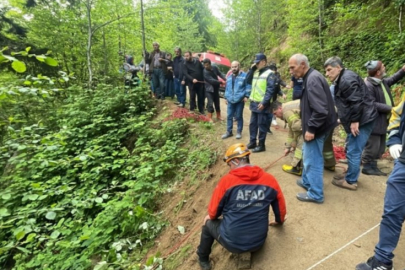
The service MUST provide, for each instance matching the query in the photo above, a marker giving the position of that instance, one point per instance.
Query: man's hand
(207, 217)
(284, 96)
(226, 102)
(395, 150)
(286, 151)
(288, 86)
(245, 99)
(260, 107)
(354, 128)
(403, 68)
(195, 81)
(183, 82)
(309, 136)
(275, 223)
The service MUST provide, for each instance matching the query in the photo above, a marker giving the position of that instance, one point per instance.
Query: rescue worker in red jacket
(243, 198)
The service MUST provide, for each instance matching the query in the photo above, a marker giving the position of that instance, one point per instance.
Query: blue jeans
(394, 214)
(355, 147)
(180, 91)
(158, 80)
(235, 110)
(270, 118)
(169, 88)
(312, 174)
(258, 124)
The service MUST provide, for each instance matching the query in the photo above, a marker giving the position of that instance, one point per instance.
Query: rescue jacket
(239, 90)
(243, 198)
(292, 115)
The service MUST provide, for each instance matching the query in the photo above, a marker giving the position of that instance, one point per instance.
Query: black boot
(377, 170)
(251, 145)
(368, 169)
(259, 148)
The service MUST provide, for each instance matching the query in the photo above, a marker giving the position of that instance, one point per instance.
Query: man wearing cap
(357, 115)
(318, 118)
(243, 198)
(381, 94)
(263, 81)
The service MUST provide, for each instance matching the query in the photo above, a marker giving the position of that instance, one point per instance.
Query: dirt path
(335, 235)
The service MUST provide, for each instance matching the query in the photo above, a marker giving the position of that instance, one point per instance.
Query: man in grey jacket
(381, 94)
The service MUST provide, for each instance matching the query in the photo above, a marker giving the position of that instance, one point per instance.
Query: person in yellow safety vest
(291, 114)
(263, 82)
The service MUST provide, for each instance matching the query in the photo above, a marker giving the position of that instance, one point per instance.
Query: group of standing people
(365, 109)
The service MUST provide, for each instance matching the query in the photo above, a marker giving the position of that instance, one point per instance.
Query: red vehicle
(219, 60)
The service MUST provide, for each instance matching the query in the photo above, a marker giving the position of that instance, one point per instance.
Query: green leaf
(51, 62)
(50, 215)
(101, 266)
(98, 200)
(30, 237)
(26, 251)
(19, 66)
(4, 212)
(40, 58)
(28, 49)
(55, 234)
(20, 235)
(105, 196)
(6, 196)
(33, 197)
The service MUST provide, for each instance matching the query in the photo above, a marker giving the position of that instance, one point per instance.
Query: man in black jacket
(357, 114)
(381, 93)
(318, 118)
(211, 75)
(193, 72)
(179, 80)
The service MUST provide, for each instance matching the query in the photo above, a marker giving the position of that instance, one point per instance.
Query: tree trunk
(89, 38)
(105, 55)
(400, 18)
(320, 26)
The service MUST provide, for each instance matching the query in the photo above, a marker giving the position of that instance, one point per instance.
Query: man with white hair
(318, 118)
(158, 69)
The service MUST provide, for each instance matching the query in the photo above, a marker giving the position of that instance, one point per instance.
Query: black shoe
(373, 171)
(205, 265)
(251, 145)
(305, 198)
(269, 132)
(259, 148)
(373, 264)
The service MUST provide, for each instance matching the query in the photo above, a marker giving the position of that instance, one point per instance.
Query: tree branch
(111, 21)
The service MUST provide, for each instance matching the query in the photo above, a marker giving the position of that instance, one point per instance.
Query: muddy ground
(335, 235)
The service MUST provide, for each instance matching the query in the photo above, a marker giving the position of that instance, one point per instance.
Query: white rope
(340, 249)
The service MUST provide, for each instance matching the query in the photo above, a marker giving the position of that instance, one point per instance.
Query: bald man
(237, 92)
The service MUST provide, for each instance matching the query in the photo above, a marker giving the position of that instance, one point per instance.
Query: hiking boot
(227, 135)
(373, 264)
(339, 176)
(204, 265)
(238, 135)
(291, 169)
(259, 148)
(330, 168)
(342, 183)
(372, 169)
(251, 145)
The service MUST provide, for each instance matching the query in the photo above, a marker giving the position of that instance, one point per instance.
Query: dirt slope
(313, 237)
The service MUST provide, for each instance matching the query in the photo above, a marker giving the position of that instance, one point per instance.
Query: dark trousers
(158, 80)
(374, 149)
(209, 233)
(213, 100)
(394, 214)
(259, 123)
(196, 90)
(169, 88)
(180, 91)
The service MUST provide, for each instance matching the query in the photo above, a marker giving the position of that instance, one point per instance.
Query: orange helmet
(236, 151)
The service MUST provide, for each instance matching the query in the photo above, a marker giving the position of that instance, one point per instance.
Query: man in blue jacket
(236, 94)
(394, 202)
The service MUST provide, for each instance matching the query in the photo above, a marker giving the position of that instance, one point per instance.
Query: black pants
(213, 100)
(258, 124)
(374, 149)
(197, 90)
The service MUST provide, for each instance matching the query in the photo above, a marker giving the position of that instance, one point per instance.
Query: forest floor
(335, 235)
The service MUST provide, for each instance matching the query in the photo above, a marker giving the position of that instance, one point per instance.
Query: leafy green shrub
(84, 190)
